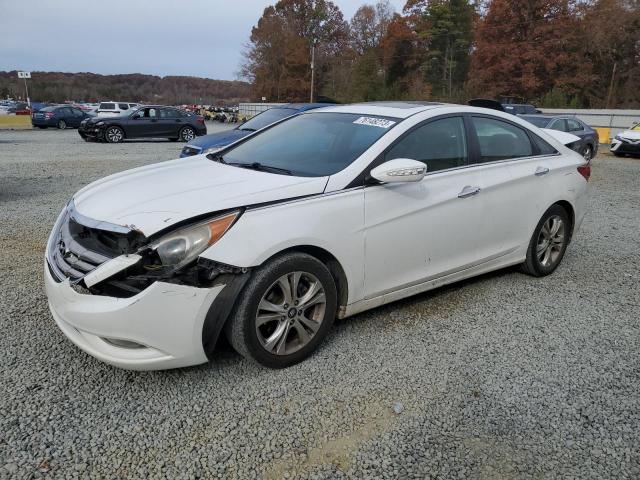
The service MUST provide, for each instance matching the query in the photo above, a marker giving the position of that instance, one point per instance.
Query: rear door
(517, 170)
(171, 122)
(77, 116)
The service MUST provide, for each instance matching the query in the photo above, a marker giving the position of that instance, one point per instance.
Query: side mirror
(400, 170)
(137, 116)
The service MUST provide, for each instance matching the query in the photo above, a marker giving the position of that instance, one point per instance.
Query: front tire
(62, 124)
(548, 242)
(187, 134)
(114, 135)
(284, 312)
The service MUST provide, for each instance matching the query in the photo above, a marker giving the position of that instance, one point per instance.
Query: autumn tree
(525, 48)
(278, 57)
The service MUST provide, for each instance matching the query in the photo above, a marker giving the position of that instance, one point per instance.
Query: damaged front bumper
(159, 328)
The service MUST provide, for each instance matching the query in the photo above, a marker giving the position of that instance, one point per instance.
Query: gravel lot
(505, 376)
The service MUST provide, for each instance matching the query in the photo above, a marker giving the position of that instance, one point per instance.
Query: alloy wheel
(551, 241)
(114, 135)
(62, 124)
(290, 313)
(188, 134)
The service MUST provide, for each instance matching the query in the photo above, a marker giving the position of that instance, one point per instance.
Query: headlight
(618, 137)
(99, 124)
(212, 150)
(181, 247)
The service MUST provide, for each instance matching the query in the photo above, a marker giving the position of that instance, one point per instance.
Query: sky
(202, 38)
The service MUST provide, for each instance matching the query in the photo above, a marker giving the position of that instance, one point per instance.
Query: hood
(154, 197)
(630, 134)
(220, 139)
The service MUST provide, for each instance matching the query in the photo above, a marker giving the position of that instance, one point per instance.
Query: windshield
(636, 128)
(48, 109)
(267, 118)
(539, 122)
(311, 145)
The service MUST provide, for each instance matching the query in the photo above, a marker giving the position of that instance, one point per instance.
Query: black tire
(535, 265)
(114, 134)
(242, 331)
(187, 134)
(62, 124)
(587, 153)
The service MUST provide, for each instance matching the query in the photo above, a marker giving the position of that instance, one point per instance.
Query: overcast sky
(203, 38)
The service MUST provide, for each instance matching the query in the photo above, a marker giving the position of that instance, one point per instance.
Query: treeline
(172, 90)
(555, 53)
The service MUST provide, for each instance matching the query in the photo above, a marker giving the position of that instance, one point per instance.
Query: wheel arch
(570, 212)
(120, 126)
(331, 262)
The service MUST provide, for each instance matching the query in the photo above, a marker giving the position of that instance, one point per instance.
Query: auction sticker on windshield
(375, 122)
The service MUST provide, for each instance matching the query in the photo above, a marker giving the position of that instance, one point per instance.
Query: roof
(302, 107)
(385, 109)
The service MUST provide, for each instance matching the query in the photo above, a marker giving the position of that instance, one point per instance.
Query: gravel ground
(505, 376)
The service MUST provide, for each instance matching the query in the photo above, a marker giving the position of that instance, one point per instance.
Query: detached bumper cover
(166, 320)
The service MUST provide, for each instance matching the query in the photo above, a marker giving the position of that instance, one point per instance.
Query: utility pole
(313, 70)
(613, 76)
(24, 76)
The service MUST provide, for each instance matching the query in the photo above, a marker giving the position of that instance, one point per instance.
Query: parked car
(589, 140)
(265, 240)
(60, 116)
(151, 121)
(115, 109)
(520, 108)
(627, 142)
(216, 141)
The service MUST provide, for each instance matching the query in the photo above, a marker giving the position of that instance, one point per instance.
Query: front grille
(70, 253)
(187, 150)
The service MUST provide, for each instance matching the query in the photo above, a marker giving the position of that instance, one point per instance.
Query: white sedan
(322, 215)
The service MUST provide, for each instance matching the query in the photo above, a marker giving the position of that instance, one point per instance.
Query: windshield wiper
(248, 129)
(216, 158)
(262, 168)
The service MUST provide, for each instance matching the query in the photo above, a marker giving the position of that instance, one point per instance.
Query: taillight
(585, 171)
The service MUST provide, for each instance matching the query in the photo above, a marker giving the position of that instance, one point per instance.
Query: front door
(418, 231)
(144, 123)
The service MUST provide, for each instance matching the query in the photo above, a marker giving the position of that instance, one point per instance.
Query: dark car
(589, 140)
(217, 141)
(150, 121)
(520, 108)
(60, 116)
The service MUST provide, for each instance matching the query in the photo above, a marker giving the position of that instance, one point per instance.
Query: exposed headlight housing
(212, 150)
(181, 247)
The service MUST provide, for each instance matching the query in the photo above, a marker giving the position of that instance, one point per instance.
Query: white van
(115, 109)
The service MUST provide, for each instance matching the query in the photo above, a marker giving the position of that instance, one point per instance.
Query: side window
(560, 125)
(440, 144)
(107, 106)
(123, 106)
(168, 113)
(77, 112)
(501, 140)
(543, 147)
(574, 126)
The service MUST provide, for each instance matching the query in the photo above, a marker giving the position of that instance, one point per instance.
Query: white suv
(115, 109)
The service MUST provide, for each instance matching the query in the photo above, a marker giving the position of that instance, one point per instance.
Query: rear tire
(62, 124)
(284, 312)
(187, 134)
(587, 153)
(548, 243)
(114, 135)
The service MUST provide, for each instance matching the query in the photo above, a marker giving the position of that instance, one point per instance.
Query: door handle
(469, 191)
(541, 171)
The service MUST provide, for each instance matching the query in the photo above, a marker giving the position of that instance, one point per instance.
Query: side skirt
(362, 305)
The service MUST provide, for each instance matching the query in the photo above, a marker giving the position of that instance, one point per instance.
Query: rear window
(47, 109)
(539, 122)
(107, 106)
(123, 106)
